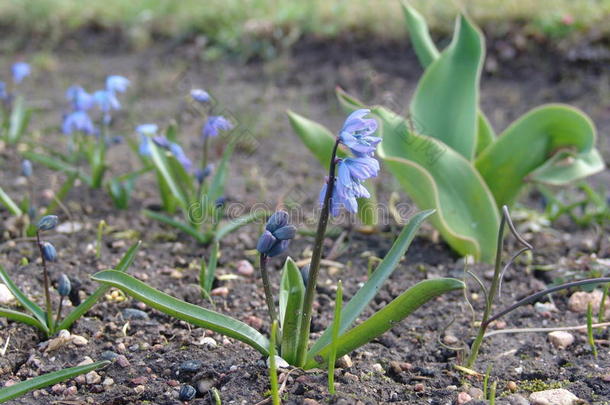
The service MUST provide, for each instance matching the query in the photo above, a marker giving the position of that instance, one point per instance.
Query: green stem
(267, 287)
(47, 294)
(474, 350)
(314, 266)
(61, 303)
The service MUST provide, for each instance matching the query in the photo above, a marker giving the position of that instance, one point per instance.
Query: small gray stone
(109, 355)
(134, 314)
(561, 339)
(558, 396)
(516, 399)
(190, 366)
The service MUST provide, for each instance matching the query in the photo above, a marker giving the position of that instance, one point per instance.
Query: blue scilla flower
(277, 235)
(20, 71)
(357, 132)
(106, 100)
(64, 286)
(3, 92)
(78, 121)
(117, 84)
(48, 251)
(80, 99)
(338, 202)
(147, 129)
(202, 174)
(214, 125)
(179, 154)
(359, 168)
(200, 95)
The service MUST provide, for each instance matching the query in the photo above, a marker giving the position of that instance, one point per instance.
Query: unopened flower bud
(48, 251)
(47, 222)
(285, 232)
(26, 168)
(265, 242)
(305, 273)
(63, 285)
(277, 220)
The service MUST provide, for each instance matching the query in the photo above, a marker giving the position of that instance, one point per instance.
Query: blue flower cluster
(215, 124)
(81, 102)
(148, 133)
(19, 70)
(357, 135)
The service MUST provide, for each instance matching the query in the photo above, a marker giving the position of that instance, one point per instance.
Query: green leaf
(208, 276)
(82, 309)
(436, 176)
(57, 164)
(368, 291)
(45, 380)
(544, 132)
(292, 291)
(160, 160)
(237, 223)
(217, 186)
(182, 177)
(23, 318)
(61, 194)
(446, 99)
(485, 133)
(420, 36)
(184, 227)
(21, 297)
(10, 205)
(319, 140)
(386, 318)
(348, 102)
(20, 116)
(194, 314)
(97, 161)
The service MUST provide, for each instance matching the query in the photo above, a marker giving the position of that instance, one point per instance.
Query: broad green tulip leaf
(427, 52)
(384, 319)
(191, 313)
(38, 312)
(23, 318)
(237, 223)
(348, 102)
(436, 176)
(445, 103)
(45, 380)
(420, 36)
(319, 140)
(10, 205)
(542, 133)
(485, 133)
(292, 291)
(566, 166)
(86, 305)
(369, 290)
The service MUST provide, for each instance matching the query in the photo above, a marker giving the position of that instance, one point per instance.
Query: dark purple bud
(220, 202)
(48, 251)
(26, 168)
(161, 142)
(305, 273)
(47, 222)
(285, 233)
(278, 248)
(74, 296)
(277, 220)
(265, 242)
(63, 285)
(202, 174)
(32, 212)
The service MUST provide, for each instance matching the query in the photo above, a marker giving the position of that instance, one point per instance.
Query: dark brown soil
(274, 167)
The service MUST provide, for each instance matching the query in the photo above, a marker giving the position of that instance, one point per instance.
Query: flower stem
(314, 266)
(204, 159)
(61, 304)
(47, 294)
(267, 287)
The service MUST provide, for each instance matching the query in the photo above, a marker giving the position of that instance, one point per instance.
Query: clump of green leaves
(446, 154)
(44, 319)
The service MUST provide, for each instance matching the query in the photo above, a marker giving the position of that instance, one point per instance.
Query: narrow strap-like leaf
(82, 309)
(386, 318)
(292, 291)
(194, 314)
(45, 380)
(23, 318)
(184, 227)
(21, 297)
(420, 36)
(10, 205)
(360, 301)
